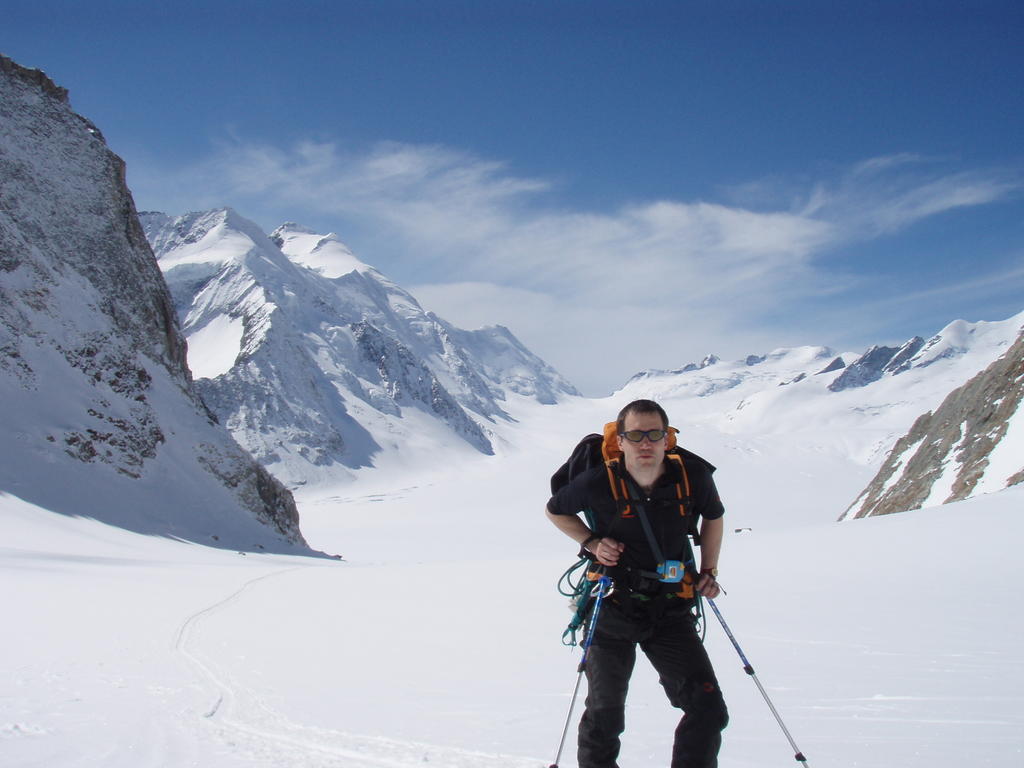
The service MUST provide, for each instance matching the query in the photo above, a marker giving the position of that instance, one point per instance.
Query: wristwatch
(713, 572)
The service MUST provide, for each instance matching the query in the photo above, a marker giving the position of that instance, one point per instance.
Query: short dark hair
(640, 406)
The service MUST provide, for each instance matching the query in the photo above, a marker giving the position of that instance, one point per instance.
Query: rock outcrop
(875, 363)
(970, 444)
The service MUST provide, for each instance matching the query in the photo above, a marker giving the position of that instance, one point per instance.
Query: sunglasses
(637, 435)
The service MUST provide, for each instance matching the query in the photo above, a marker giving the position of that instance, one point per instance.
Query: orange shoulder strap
(618, 486)
(686, 481)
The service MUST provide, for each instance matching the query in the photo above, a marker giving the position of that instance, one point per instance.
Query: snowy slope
(324, 254)
(437, 640)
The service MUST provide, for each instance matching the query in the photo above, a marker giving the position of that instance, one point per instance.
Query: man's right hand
(606, 551)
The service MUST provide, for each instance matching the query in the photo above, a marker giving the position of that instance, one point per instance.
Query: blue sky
(626, 185)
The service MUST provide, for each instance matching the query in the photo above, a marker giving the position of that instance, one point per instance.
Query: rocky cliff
(101, 417)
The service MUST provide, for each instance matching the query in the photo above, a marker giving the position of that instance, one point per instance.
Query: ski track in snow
(243, 720)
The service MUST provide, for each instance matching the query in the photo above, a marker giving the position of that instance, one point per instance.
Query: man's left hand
(707, 586)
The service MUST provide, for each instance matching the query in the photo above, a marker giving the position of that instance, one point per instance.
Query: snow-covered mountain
(479, 367)
(811, 407)
(317, 362)
(882, 384)
(95, 391)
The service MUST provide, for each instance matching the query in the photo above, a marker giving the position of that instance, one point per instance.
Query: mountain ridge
(321, 355)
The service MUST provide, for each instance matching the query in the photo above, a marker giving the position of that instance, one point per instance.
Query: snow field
(886, 641)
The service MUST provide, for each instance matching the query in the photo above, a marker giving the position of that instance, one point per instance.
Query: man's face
(645, 454)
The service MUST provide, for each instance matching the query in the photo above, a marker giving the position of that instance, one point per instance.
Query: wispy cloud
(484, 243)
(1004, 281)
(884, 195)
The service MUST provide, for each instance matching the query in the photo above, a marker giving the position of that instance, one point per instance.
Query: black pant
(665, 631)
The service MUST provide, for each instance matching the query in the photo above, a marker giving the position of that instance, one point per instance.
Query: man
(643, 609)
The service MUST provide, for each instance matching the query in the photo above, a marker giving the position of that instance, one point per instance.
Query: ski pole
(603, 589)
(749, 669)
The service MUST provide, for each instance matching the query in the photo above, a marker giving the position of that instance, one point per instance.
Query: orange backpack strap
(686, 481)
(612, 456)
(618, 486)
(686, 586)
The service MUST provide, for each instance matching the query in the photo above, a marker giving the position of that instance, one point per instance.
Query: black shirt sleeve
(576, 496)
(706, 501)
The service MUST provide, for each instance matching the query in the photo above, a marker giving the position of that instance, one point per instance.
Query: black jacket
(591, 492)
